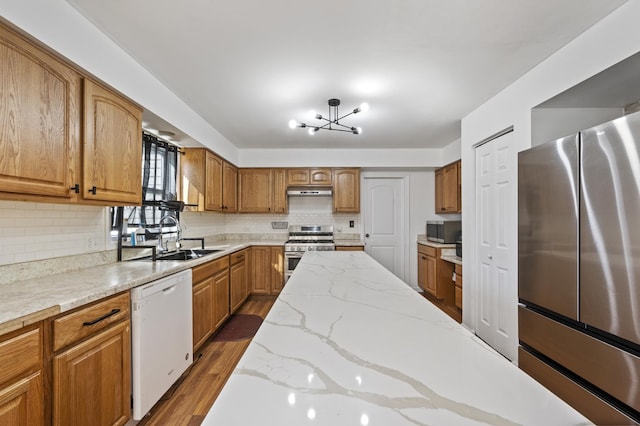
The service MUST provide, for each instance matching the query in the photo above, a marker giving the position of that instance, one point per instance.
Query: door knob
(490, 257)
(366, 235)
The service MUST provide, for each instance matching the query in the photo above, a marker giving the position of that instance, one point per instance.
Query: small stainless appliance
(303, 238)
(443, 231)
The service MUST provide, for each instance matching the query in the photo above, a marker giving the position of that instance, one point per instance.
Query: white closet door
(496, 225)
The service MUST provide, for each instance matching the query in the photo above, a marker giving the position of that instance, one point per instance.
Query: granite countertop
(348, 343)
(452, 258)
(423, 241)
(348, 243)
(26, 302)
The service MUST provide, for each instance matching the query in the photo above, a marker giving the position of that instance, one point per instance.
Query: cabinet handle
(424, 258)
(75, 188)
(241, 257)
(93, 190)
(104, 317)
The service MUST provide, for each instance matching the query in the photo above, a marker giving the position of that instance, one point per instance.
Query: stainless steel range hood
(309, 192)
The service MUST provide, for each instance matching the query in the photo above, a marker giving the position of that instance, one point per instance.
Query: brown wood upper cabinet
(448, 188)
(208, 182)
(306, 177)
(262, 191)
(112, 146)
(41, 96)
(346, 190)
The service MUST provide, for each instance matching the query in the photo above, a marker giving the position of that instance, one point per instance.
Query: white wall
(61, 27)
(606, 43)
(548, 124)
(341, 158)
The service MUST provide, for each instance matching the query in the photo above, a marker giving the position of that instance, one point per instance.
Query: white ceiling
(249, 66)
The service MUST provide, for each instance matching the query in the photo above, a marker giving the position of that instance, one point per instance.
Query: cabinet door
(112, 147)
(213, 186)
(220, 298)
(280, 191)
(92, 380)
(431, 278)
(193, 176)
(202, 312)
(422, 271)
(450, 188)
(297, 177)
(40, 101)
(346, 190)
(439, 190)
(21, 403)
(320, 177)
(255, 190)
(238, 278)
(229, 188)
(260, 272)
(276, 267)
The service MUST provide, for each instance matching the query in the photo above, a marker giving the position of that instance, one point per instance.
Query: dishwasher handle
(169, 289)
(102, 318)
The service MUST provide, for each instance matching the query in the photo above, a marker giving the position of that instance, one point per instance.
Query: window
(159, 183)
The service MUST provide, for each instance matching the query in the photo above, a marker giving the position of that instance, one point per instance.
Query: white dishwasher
(161, 338)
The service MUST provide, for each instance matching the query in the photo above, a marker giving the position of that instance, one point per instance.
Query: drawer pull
(104, 317)
(240, 257)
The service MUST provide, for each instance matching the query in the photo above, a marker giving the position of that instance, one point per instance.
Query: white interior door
(384, 222)
(496, 198)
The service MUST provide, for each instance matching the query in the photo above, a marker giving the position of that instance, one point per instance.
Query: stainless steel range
(303, 238)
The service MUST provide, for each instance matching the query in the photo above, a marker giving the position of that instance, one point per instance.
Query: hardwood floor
(189, 400)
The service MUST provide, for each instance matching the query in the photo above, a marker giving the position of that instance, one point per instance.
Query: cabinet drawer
(458, 269)
(20, 355)
(209, 269)
(79, 324)
(237, 257)
(427, 251)
(458, 297)
(458, 280)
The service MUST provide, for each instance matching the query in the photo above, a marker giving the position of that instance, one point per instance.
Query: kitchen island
(348, 343)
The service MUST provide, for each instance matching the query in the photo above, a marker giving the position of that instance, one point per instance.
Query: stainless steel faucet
(162, 244)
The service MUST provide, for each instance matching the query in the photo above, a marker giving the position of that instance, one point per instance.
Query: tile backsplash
(37, 231)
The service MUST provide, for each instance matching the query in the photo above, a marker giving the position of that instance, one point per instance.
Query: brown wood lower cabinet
(91, 381)
(267, 269)
(349, 248)
(21, 378)
(92, 374)
(239, 279)
(210, 301)
(458, 287)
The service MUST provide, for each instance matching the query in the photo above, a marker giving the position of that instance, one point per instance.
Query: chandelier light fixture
(332, 122)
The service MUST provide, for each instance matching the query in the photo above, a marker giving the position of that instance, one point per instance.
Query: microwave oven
(444, 231)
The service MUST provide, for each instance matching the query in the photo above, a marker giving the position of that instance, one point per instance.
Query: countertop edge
(29, 301)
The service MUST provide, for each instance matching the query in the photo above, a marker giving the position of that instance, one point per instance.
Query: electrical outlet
(91, 243)
(351, 224)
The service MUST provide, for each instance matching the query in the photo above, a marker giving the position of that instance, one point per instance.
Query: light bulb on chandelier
(333, 122)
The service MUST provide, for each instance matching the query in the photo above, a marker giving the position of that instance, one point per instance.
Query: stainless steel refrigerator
(579, 268)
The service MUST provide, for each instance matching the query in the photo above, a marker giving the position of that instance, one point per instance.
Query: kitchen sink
(188, 254)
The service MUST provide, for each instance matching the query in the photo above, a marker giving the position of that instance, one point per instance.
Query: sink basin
(188, 254)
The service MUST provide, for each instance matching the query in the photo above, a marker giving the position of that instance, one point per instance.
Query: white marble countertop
(348, 243)
(348, 343)
(29, 301)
